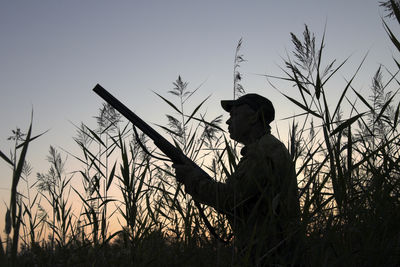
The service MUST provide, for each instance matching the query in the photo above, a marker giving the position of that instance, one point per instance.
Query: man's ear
(254, 118)
(261, 118)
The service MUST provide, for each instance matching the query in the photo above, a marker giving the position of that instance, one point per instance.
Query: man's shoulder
(268, 141)
(269, 146)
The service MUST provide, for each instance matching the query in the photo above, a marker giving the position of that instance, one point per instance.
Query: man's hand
(186, 170)
(182, 171)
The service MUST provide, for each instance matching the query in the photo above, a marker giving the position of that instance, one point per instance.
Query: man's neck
(255, 135)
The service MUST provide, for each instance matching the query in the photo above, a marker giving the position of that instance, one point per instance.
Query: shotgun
(166, 147)
(163, 144)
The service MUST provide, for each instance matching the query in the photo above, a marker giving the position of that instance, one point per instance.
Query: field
(347, 163)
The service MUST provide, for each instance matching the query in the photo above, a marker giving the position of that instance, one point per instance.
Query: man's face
(240, 122)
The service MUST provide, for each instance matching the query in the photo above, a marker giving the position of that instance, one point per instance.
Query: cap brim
(227, 104)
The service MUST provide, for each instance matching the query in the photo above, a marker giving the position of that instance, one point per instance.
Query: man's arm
(203, 188)
(249, 181)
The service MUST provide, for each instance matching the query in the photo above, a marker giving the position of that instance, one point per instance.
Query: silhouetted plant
(238, 89)
(54, 187)
(191, 138)
(14, 215)
(390, 7)
(345, 169)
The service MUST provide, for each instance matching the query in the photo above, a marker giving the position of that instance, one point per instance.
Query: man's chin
(231, 136)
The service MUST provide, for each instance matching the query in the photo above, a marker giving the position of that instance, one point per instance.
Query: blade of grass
(318, 83)
(17, 175)
(396, 10)
(169, 130)
(396, 116)
(31, 139)
(197, 109)
(386, 105)
(391, 36)
(169, 103)
(110, 179)
(303, 107)
(346, 124)
(3, 156)
(363, 100)
(348, 85)
(95, 136)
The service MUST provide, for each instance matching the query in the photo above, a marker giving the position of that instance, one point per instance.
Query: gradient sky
(52, 53)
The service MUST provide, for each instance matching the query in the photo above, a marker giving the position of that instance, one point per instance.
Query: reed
(346, 163)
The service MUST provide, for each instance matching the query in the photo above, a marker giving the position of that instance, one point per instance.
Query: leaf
(124, 167)
(8, 222)
(95, 136)
(294, 116)
(334, 71)
(106, 201)
(17, 174)
(141, 182)
(317, 171)
(111, 237)
(346, 124)
(6, 158)
(81, 197)
(31, 139)
(396, 116)
(110, 179)
(303, 107)
(395, 9)
(169, 130)
(385, 106)
(169, 103)
(318, 87)
(93, 158)
(363, 100)
(392, 37)
(397, 63)
(318, 84)
(347, 87)
(196, 109)
(210, 123)
(298, 82)
(231, 156)
(374, 152)
(349, 154)
(327, 114)
(191, 93)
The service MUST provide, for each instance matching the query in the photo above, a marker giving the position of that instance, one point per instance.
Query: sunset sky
(52, 53)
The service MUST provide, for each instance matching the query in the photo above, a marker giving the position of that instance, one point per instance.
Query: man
(260, 198)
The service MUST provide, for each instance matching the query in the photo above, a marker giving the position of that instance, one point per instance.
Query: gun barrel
(166, 147)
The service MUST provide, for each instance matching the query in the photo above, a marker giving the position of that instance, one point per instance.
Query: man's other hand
(183, 171)
(186, 170)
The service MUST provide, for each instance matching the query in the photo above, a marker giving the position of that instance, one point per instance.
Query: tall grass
(347, 162)
(14, 215)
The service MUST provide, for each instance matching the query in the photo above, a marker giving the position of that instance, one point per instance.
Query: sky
(52, 53)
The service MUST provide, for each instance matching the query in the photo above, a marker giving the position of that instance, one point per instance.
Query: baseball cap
(255, 102)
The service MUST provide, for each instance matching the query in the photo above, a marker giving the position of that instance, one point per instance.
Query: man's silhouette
(260, 198)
